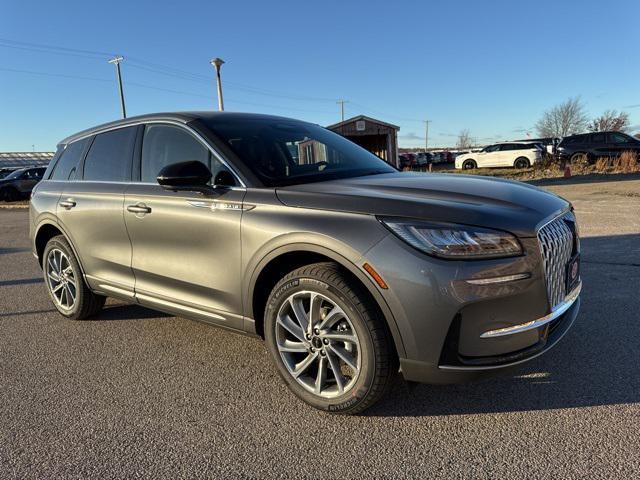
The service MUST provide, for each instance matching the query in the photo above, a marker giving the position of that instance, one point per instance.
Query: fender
(338, 258)
(51, 220)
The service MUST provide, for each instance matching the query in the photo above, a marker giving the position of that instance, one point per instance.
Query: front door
(186, 245)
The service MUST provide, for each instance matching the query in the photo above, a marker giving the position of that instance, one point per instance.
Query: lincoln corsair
(350, 270)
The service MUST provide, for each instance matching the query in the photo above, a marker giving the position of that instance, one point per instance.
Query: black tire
(87, 303)
(9, 194)
(521, 162)
(379, 361)
(469, 165)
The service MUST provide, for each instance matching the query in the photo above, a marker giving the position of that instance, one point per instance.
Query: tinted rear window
(109, 158)
(67, 165)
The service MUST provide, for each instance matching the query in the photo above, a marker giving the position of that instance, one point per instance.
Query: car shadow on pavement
(20, 281)
(578, 179)
(127, 311)
(596, 363)
(6, 250)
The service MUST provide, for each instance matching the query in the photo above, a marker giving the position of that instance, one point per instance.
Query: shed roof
(362, 117)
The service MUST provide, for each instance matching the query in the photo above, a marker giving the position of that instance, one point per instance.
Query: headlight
(454, 241)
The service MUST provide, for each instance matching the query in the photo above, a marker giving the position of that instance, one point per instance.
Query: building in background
(25, 159)
(380, 138)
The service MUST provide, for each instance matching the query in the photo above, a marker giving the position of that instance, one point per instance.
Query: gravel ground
(136, 393)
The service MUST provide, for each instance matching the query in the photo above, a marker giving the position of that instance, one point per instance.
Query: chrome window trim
(176, 123)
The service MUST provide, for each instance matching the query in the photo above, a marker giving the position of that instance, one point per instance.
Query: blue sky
(490, 66)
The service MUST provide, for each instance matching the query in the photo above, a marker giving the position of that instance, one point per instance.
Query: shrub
(629, 162)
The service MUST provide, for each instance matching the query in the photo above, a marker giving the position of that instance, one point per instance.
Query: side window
(163, 145)
(618, 138)
(109, 158)
(597, 138)
(65, 168)
(492, 148)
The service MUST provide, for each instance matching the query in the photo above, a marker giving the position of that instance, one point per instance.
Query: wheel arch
(45, 232)
(282, 260)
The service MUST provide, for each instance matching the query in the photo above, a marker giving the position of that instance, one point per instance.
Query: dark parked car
(348, 269)
(596, 145)
(6, 171)
(19, 183)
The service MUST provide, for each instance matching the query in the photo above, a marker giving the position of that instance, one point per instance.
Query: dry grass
(627, 162)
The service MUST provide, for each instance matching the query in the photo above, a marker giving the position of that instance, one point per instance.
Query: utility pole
(217, 63)
(341, 103)
(116, 61)
(426, 134)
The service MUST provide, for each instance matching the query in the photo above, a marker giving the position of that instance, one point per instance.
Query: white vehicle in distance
(508, 154)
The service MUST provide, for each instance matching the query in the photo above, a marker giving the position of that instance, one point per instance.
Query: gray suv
(348, 269)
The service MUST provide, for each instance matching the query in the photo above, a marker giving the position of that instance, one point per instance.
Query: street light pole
(116, 61)
(217, 63)
(341, 103)
(426, 134)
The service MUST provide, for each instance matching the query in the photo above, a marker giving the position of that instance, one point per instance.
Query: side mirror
(193, 176)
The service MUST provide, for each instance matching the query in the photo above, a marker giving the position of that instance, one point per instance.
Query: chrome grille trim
(556, 240)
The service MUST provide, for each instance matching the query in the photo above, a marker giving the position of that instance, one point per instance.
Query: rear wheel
(521, 162)
(328, 341)
(65, 282)
(469, 165)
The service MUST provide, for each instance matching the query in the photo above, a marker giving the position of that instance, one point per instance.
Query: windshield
(14, 174)
(288, 152)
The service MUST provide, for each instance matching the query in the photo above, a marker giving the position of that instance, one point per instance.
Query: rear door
(90, 210)
(598, 145)
(186, 245)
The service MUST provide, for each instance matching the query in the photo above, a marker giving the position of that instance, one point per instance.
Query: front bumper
(453, 329)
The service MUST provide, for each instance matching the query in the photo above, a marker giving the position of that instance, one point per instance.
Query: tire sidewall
(359, 391)
(469, 162)
(61, 244)
(521, 162)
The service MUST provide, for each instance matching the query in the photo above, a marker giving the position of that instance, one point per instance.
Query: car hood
(472, 200)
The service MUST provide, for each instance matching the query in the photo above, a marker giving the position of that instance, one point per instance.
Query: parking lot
(138, 393)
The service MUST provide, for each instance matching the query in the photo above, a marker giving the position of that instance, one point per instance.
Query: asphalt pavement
(135, 393)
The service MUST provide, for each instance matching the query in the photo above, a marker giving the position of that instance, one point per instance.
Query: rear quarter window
(67, 165)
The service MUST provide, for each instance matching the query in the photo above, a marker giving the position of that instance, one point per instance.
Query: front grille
(557, 243)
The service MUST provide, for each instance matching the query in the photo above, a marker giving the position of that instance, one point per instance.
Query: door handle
(68, 203)
(138, 209)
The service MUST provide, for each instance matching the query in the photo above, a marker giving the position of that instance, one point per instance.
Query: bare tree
(464, 139)
(564, 119)
(610, 120)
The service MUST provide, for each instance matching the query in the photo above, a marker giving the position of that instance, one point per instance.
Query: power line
(134, 62)
(161, 89)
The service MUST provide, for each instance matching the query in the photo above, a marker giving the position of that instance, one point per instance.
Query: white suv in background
(510, 154)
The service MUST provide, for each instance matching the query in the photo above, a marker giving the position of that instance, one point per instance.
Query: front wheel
(9, 194)
(65, 283)
(469, 165)
(521, 162)
(328, 340)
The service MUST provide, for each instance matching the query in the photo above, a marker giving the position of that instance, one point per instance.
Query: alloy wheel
(61, 279)
(318, 344)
